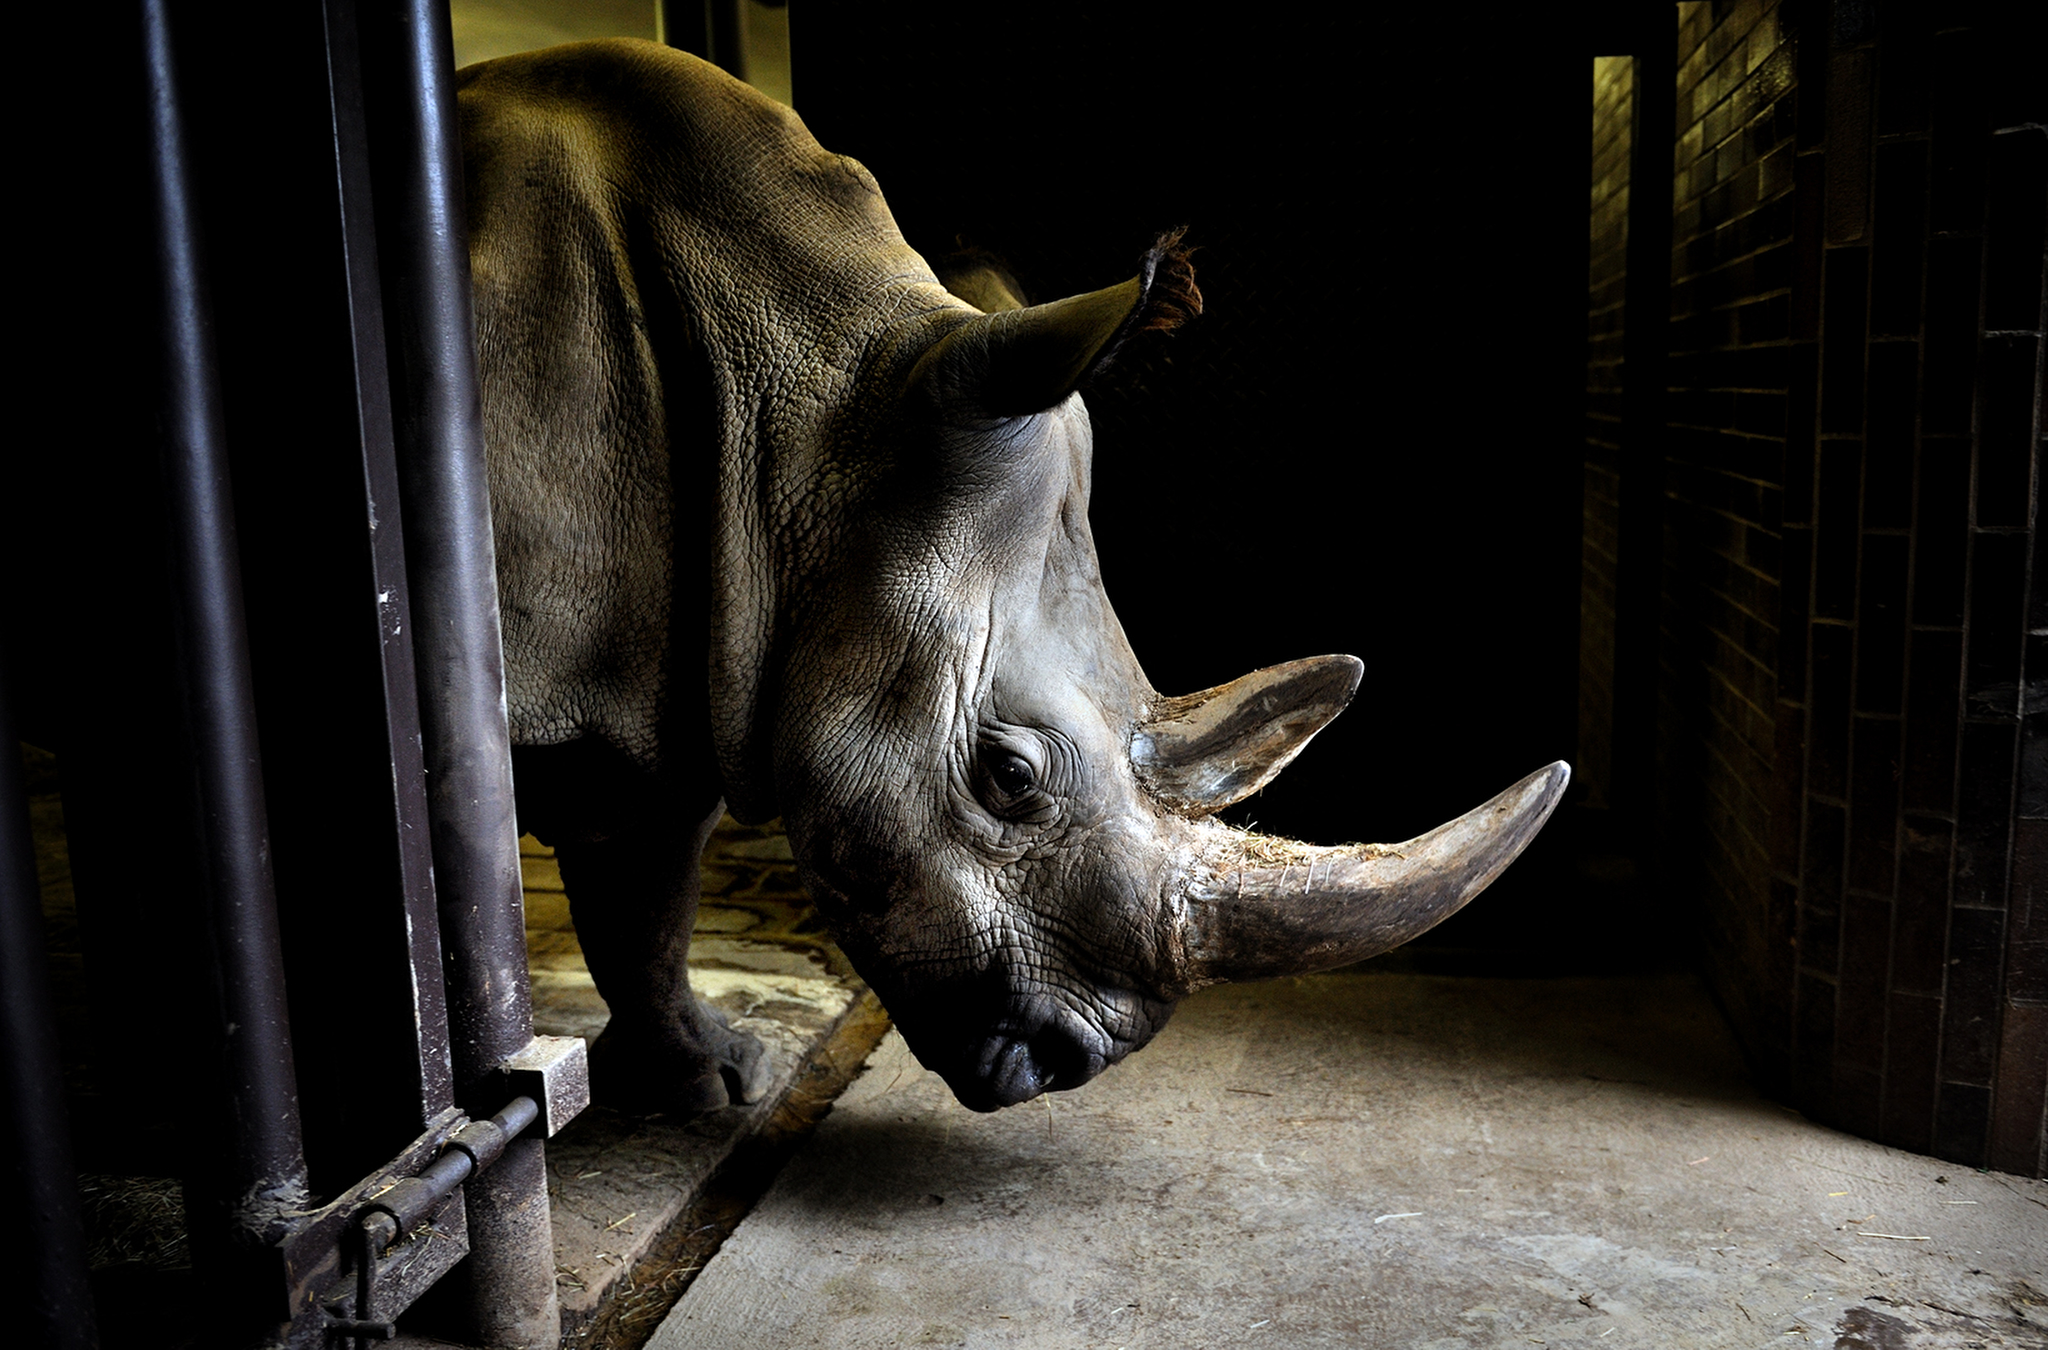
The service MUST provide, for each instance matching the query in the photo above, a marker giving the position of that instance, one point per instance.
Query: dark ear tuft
(1167, 295)
(1168, 277)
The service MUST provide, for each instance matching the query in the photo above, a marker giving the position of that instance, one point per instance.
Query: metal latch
(394, 1213)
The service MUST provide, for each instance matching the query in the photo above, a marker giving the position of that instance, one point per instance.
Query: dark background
(1375, 441)
(1369, 442)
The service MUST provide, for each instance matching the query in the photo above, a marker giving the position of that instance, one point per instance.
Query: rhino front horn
(1261, 907)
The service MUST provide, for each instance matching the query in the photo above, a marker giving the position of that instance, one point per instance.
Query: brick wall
(1613, 95)
(1916, 1017)
(1724, 457)
(1851, 780)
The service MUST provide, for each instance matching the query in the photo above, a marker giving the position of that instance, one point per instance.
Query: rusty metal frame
(309, 565)
(509, 1280)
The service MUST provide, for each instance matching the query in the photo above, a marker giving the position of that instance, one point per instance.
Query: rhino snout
(1011, 1069)
(1033, 1045)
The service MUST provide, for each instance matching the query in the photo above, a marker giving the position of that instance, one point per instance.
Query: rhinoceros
(786, 526)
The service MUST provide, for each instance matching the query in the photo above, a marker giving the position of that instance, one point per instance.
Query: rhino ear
(1015, 362)
(1038, 355)
(1200, 753)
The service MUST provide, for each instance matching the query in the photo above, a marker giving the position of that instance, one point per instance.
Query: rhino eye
(1011, 774)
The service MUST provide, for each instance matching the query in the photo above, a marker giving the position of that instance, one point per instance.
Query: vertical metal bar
(684, 25)
(263, 1172)
(214, 667)
(43, 1186)
(713, 29)
(728, 23)
(391, 717)
(396, 636)
(451, 561)
(408, 58)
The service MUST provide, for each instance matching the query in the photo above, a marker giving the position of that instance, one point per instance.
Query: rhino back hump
(676, 288)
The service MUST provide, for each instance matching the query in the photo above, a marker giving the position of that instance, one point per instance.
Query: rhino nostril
(1018, 1062)
(1016, 1069)
(1063, 1061)
(1013, 1072)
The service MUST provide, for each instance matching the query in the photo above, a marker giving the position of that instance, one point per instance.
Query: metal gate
(268, 656)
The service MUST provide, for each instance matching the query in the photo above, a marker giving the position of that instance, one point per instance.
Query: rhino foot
(699, 1069)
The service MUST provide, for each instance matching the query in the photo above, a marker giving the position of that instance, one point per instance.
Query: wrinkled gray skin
(782, 521)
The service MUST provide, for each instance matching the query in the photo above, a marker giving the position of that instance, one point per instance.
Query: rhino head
(1010, 831)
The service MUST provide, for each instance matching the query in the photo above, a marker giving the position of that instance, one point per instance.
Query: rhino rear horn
(1016, 362)
(1258, 908)
(1200, 753)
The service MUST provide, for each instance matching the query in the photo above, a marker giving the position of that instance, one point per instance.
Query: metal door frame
(336, 1170)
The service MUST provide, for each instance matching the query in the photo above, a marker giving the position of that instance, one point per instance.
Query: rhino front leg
(634, 900)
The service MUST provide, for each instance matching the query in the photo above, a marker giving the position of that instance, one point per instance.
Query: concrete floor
(622, 1186)
(1378, 1160)
(628, 1192)
(1375, 1158)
